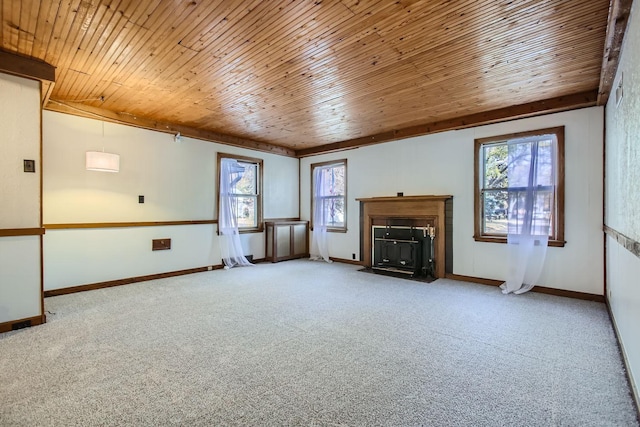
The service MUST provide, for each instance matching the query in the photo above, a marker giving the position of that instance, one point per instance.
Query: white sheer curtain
(531, 184)
(319, 247)
(230, 246)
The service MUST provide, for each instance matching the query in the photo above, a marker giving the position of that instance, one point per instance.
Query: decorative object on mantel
(407, 235)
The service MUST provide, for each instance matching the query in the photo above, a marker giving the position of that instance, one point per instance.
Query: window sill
(336, 230)
(333, 230)
(247, 230)
(250, 230)
(500, 239)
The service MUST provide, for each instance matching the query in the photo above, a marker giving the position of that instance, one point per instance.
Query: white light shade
(103, 162)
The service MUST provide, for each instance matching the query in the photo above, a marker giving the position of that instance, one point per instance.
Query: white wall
(20, 292)
(622, 204)
(443, 164)
(20, 287)
(178, 181)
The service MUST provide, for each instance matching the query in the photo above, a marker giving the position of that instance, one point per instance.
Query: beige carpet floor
(313, 344)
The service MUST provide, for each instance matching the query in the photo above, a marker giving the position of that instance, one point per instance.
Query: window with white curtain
(329, 192)
(507, 167)
(244, 192)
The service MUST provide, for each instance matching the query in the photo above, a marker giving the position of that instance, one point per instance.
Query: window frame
(339, 162)
(557, 239)
(259, 199)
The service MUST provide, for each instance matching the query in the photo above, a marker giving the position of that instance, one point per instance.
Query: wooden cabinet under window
(286, 240)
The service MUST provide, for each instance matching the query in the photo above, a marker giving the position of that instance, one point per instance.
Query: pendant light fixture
(101, 161)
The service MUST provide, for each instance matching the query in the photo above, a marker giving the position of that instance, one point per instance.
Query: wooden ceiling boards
(298, 77)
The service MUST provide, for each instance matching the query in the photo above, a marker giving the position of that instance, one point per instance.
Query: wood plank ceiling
(299, 75)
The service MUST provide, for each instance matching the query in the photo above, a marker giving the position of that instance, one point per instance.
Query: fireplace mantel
(436, 208)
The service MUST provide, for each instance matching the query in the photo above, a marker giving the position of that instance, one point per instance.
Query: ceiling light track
(100, 98)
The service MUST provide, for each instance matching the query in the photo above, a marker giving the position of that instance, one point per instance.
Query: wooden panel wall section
(419, 207)
(34, 69)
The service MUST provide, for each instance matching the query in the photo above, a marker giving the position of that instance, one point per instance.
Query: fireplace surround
(410, 235)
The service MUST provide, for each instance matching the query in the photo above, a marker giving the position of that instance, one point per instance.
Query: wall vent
(21, 325)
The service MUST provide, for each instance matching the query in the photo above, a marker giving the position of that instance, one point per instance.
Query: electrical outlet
(140, 199)
(160, 244)
(353, 256)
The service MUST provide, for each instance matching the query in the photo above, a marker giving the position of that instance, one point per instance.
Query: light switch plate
(30, 166)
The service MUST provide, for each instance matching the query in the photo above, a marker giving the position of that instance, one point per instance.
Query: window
(329, 195)
(245, 190)
(497, 158)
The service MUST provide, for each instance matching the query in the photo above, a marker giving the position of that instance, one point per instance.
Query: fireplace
(404, 248)
(410, 235)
